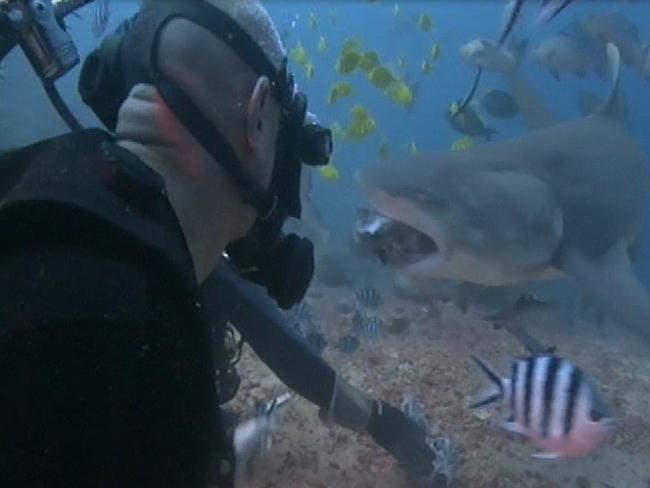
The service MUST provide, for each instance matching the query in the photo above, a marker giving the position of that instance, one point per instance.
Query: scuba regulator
(37, 27)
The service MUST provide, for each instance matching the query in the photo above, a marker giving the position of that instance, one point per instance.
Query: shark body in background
(566, 200)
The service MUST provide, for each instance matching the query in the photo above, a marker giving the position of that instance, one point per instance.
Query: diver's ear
(255, 114)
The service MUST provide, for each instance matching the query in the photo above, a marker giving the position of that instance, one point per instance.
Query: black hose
(502, 39)
(472, 91)
(511, 22)
(60, 106)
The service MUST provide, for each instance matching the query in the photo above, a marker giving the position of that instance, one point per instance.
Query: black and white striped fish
(553, 403)
(301, 312)
(368, 297)
(370, 326)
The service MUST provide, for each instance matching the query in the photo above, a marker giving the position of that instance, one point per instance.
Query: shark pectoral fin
(550, 456)
(612, 284)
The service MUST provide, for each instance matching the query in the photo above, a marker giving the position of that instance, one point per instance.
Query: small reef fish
(371, 326)
(553, 403)
(468, 122)
(425, 23)
(347, 344)
(500, 104)
(329, 173)
(368, 297)
(462, 144)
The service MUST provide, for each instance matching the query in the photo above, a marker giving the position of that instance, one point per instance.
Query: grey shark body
(566, 200)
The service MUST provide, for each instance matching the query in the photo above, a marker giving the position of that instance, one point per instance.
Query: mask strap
(212, 141)
(231, 33)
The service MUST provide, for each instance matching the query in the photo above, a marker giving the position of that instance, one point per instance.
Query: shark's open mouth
(393, 242)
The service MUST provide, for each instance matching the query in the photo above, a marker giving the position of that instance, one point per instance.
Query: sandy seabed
(432, 360)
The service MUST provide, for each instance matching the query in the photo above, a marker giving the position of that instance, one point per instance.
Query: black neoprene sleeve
(227, 296)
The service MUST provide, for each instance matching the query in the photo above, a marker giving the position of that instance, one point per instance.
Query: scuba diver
(126, 254)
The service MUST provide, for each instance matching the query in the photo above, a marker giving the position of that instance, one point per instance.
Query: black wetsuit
(106, 370)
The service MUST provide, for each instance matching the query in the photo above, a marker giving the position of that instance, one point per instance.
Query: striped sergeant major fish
(552, 403)
(368, 297)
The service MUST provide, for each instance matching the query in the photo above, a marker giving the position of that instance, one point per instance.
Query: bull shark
(562, 201)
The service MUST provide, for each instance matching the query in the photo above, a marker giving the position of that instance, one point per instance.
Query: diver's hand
(417, 453)
(402, 437)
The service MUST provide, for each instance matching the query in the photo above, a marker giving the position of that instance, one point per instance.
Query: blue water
(455, 22)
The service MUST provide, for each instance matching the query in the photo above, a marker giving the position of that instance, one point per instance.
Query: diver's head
(237, 103)
(213, 108)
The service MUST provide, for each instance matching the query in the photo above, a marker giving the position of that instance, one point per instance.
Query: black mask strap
(202, 129)
(221, 25)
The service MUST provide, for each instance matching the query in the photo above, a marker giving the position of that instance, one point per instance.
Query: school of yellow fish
(387, 76)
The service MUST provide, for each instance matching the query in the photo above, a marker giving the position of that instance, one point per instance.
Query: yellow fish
(329, 173)
(310, 70)
(436, 51)
(351, 45)
(381, 77)
(454, 108)
(369, 61)
(363, 124)
(400, 93)
(426, 67)
(338, 132)
(299, 54)
(338, 91)
(348, 63)
(462, 144)
(322, 45)
(425, 23)
(314, 21)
